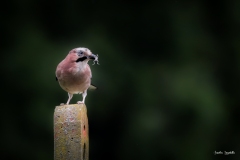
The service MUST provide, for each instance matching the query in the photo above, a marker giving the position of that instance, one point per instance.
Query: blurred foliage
(168, 77)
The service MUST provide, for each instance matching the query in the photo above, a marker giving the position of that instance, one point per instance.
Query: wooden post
(71, 140)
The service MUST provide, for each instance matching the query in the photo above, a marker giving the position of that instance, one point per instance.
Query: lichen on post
(71, 140)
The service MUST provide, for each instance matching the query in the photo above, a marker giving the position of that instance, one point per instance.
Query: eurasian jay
(74, 74)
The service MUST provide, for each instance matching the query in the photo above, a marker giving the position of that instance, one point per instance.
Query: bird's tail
(92, 87)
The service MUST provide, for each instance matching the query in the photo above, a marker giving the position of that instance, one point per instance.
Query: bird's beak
(92, 56)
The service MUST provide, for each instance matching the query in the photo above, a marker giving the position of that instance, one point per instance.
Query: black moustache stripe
(81, 59)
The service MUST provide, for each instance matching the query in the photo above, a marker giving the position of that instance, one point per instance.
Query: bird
(74, 74)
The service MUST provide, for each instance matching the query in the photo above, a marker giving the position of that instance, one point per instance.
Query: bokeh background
(168, 77)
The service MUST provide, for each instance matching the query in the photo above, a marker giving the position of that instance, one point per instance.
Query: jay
(74, 74)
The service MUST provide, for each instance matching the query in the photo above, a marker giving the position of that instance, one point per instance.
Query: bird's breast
(75, 80)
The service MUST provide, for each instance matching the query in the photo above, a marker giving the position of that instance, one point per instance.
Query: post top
(66, 105)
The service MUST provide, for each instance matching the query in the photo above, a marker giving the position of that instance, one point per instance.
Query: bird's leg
(84, 94)
(69, 98)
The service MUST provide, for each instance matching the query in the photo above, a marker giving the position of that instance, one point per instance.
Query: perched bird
(74, 74)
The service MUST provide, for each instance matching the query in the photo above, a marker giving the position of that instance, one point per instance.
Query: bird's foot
(61, 104)
(79, 102)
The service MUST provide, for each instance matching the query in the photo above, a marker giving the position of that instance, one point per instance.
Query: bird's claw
(79, 102)
(61, 104)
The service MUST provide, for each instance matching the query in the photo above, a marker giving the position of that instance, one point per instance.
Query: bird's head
(81, 55)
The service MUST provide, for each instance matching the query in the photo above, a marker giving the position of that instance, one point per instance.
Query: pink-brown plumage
(74, 74)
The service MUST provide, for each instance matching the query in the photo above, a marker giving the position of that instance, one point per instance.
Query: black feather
(56, 79)
(81, 59)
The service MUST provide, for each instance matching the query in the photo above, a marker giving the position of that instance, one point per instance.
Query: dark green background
(168, 77)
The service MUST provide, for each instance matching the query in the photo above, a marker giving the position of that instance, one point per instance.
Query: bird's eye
(80, 53)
